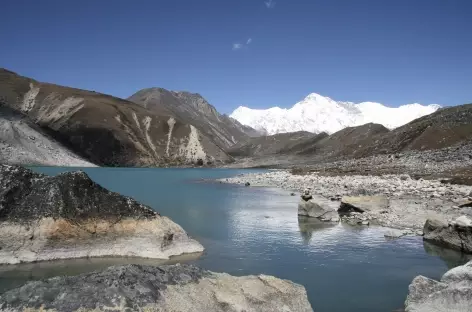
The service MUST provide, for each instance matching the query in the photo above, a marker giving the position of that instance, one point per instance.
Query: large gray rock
(456, 235)
(70, 216)
(166, 288)
(453, 293)
(316, 208)
(363, 204)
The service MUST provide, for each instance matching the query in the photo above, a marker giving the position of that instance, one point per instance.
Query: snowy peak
(317, 113)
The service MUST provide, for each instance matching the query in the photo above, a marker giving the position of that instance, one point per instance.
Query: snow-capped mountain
(317, 113)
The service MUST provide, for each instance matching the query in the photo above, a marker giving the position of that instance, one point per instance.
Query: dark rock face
(455, 236)
(136, 285)
(70, 216)
(27, 196)
(107, 130)
(193, 108)
(180, 288)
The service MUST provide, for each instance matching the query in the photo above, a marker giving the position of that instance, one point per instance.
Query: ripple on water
(248, 230)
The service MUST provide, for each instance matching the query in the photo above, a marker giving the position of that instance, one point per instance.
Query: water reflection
(452, 258)
(307, 226)
(12, 276)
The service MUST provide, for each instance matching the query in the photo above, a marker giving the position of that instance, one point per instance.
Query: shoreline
(411, 201)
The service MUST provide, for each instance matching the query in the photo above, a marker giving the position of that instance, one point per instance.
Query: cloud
(237, 46)
(270, 4)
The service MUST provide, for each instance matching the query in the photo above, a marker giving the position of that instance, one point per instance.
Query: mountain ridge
(317, 113)
(194, 108)
(107, 130)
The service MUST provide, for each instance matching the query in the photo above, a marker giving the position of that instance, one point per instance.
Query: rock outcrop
(70, 216)
(453, 293)
(456, 235)
(106, 130)
(311, 207)
(180, 288)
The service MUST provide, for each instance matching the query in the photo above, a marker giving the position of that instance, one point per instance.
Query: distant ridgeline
(47, 124)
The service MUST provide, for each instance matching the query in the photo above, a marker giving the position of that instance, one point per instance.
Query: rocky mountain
(317, 113)
(107, 130)
(23, 142)
(193, 108)
(445, 128)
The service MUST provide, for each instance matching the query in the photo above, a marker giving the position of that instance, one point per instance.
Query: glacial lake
(248, 230)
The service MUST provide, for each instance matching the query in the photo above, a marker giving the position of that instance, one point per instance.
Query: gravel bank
(411, 201)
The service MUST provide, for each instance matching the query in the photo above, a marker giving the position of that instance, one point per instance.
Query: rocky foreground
(453, 293)
(166, 288)
(70, 216)
(403, 202)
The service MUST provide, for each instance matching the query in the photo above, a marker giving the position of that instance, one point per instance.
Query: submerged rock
(395, 233)
(70, 216)
(453, 293)
(456, 235)
(166, 288)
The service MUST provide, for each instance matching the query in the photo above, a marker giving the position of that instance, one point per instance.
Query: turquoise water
(256, 230)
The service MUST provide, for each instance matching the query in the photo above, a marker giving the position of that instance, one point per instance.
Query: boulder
(312, 208)
(453, 293)
(70, 216)
(363, 204)
(182, 288)
(456, 235)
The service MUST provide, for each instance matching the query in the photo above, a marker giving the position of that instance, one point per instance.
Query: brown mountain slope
(193, 108)
(280, 143)
(349, 141)
(107, 130)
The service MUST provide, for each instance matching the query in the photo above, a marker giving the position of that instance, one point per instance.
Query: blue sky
(258, 53)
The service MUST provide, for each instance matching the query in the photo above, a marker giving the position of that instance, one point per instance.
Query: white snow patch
(29, 100)
(171, 123)
(317, 113)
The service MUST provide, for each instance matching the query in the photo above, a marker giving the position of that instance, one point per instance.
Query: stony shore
(182, 288)
(411, 201)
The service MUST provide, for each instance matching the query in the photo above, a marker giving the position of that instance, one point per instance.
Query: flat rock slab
(182, 288)
(363, 204)
(453, 293)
